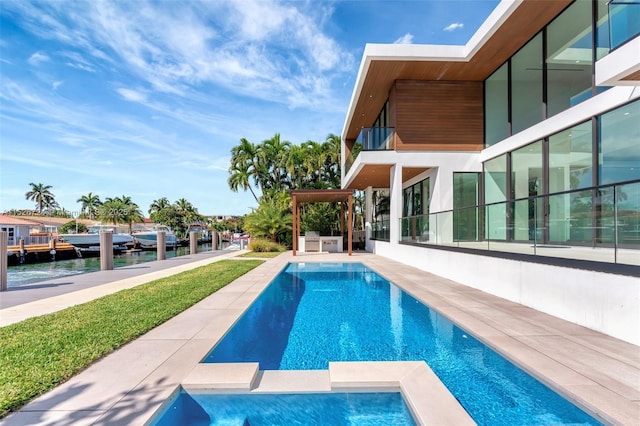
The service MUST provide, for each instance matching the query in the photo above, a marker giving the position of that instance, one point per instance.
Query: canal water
(21, 275)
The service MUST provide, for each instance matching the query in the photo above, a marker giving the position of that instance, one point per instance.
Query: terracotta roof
(6, 219)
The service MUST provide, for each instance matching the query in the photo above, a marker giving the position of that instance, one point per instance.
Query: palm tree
(42, 196)
(132, 214)
(112, 210)
(268, 220)
(90, 204)
(239, 178)
(243, 162)
(157, 205)
(120, 210)
(332, 156)
(272, 163)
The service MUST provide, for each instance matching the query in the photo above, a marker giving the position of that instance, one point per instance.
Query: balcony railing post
(615, 224)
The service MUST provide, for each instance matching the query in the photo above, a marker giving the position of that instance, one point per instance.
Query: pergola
(322, 196)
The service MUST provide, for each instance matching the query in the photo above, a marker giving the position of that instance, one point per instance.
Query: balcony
(371, 139)
(624, 21)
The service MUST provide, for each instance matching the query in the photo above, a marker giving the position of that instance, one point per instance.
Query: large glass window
(496, 89)
(416, 199)
(570, 167)
(570, 159)
(415, 222)
(381, 215)
(619, 145)
(495, 190)
(526, 85)
(466, 194)
(526, 181)
(569, 58)
(602, 29)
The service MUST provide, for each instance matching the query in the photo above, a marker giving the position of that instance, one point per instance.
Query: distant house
(17, 227)
(33, 228)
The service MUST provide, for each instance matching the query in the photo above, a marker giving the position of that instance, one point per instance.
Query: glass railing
(599, 224)
(414, 229)
(624, 21)
(376, 138)
(371, 139)
(351, 158)
(380, 230)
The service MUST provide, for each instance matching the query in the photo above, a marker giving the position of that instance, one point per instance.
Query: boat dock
(30, 253)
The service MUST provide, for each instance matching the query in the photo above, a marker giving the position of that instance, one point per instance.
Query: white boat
(91, 239)
(148, 239)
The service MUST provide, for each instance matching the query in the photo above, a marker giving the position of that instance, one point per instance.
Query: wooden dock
(31, 253)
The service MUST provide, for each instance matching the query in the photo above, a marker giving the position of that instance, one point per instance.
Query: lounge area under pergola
(342, 196)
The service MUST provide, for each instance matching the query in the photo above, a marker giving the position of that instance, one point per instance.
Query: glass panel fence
(596, 224)
(380, 230)
(376, 138)
(624, 21)
(414, 229)
(627, 219)
(351, 158)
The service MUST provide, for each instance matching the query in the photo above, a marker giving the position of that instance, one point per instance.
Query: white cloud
(37, 58)
(132, 95)
(405, 39)
(76, 60)
(56, 84)
(264, 49)
(454, 26)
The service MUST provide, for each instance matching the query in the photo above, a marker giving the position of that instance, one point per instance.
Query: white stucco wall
(607, 303)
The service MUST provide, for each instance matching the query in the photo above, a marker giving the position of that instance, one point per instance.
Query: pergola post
(294, 224)
(350, 224)
(342, 218)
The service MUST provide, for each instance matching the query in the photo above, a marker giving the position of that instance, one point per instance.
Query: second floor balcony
(371, 139)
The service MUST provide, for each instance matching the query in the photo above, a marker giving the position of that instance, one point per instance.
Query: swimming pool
(313, 313)
(336, 409)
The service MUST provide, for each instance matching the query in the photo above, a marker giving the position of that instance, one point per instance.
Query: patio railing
(600, 223)
(624, 21)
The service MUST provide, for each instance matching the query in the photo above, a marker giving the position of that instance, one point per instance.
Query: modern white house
(511, 164)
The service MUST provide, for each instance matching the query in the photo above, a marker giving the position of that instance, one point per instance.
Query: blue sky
(147, 98)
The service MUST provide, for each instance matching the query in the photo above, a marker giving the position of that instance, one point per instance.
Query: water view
(25, 274)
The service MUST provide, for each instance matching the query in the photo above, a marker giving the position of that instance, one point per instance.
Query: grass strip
(261, 254)
(40, 353)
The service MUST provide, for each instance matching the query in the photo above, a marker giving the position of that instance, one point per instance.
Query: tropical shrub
(72, 227)
(264, 246)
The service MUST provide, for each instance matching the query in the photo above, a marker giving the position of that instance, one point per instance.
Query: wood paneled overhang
(633, 77)
(321, 195)
(520, 26)
(374, 175)
(379, 176)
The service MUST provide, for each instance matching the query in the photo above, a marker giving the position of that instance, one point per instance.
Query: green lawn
(261, 254)
(38, 354)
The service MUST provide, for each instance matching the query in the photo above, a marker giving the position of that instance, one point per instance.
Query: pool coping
(428, 399)
(598, 373)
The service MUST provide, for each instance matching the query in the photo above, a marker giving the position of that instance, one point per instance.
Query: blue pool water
(313, 313)
(364, 409)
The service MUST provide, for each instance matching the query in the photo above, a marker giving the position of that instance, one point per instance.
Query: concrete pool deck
(598, 373)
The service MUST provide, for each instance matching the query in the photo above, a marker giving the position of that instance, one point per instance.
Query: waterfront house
(511, 164)
(17, 227)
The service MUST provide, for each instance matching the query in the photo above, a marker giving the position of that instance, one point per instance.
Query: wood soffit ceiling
(378, 176)
(322, 195)
(525, 22)
(633, 76)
